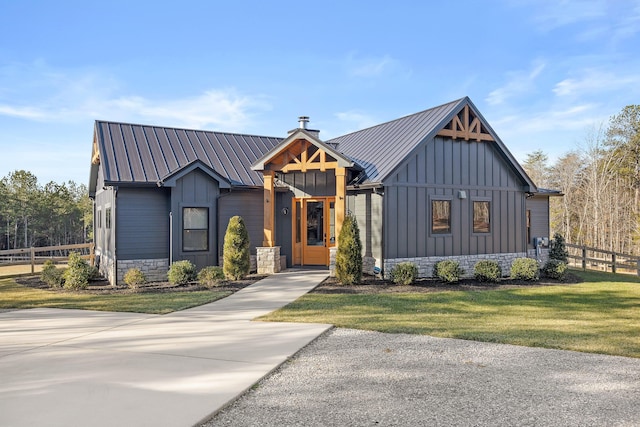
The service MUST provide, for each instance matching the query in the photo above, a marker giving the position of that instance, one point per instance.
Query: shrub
(182, 272)
(76, 276)
(237, 258)
(558, 250)
(404, 273)
(448, 271)
(524, 269)
(349, 253)
(134, 278)
(555, 269)
(94, 273)
(51, 275)
(211, 276)
(487, 271)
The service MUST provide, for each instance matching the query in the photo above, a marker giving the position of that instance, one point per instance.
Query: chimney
(302, 122)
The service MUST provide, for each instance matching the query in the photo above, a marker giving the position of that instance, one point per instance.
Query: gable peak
(467, 125)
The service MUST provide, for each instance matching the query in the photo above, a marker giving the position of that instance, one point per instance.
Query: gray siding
(367, 208)
(284, 224)
(539, 208)
(143, 223)
(438, 170)
(195, 189)
(312, 183)
(247, 204)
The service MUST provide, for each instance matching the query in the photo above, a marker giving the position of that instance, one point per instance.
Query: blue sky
(542, 72)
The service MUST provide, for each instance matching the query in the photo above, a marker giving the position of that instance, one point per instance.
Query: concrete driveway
(78, 368)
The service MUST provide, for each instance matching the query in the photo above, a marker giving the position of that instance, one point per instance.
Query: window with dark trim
(481, 217)
(195, 229)
(107, 218)
(99, 218)
(528, 226)
(441, 216)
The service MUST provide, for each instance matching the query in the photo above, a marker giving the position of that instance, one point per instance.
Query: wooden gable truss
(466, 125)
(302, 156)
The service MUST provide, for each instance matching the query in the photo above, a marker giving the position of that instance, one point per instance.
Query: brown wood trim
(464, 129)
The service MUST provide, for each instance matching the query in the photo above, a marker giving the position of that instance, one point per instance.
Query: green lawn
(13, 295)
(601, 315)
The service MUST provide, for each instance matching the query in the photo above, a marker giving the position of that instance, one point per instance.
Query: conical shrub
(349, 254)
(237, 259)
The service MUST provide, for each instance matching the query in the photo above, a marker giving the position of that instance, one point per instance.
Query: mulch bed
(368, 285)
(102, 287)
(374, 285)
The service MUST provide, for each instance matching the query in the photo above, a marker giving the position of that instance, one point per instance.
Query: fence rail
(600, 259)
(33, 256)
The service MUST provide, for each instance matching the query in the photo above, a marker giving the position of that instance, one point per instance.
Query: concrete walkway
(78, 368)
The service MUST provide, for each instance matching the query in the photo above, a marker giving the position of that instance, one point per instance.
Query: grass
(600, 315)
(13, 295)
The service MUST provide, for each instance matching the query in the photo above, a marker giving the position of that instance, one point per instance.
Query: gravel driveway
(359, 378)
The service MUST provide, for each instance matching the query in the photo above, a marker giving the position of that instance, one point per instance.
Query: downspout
(170, 238)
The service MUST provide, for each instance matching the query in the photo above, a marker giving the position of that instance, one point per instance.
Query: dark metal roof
(380, 149)
(137, 154)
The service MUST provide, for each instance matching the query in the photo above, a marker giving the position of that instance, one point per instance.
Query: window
(481, 217)
(107, 218)
(195, 229)
(528, 226)
(441, 216)
(99, 218)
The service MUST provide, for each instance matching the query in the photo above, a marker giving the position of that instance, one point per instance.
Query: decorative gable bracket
(466, 125)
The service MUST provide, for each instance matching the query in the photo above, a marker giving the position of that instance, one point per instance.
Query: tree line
(35, 215)
(600, 183)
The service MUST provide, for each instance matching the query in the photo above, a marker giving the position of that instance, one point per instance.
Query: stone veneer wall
(268, 259)
(542, 257)
(467, 262)
(155, 270)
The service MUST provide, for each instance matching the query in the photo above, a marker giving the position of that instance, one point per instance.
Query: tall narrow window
(195, 229)
(107, 218)
(441, 216)
(528, 226)
(481, 217)
(99, 218)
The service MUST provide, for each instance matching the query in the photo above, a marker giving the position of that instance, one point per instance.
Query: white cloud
(375, 66)
(357, 120)
(518, 82)
(595, 81)
(47, 95)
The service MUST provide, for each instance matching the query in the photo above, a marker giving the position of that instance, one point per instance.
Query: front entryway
(314, 230)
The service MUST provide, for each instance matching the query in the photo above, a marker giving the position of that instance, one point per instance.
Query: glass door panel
(315, 223)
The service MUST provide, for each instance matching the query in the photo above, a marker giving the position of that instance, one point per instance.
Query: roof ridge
(399, 118)
(185, 129)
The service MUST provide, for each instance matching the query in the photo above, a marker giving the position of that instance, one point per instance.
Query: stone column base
(268, 259)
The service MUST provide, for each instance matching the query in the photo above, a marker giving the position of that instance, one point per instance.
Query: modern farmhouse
(436, 184)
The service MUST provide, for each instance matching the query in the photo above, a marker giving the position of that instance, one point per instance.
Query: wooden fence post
(613, 263)
(638, 269)
(33, 260)
(584, 258)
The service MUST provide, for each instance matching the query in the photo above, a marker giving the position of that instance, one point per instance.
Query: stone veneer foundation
(467, 262)
(155, 270)
(268, 259)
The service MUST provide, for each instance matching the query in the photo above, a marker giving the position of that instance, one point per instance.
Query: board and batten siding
(247, 204)
(366, 206)
(195, 189)
(143, 223)
(539, 217)
(438, 170)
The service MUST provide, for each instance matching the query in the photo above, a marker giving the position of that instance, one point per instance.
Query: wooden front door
(314, 230)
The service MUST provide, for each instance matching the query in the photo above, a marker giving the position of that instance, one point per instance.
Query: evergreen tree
(558, 250)
(237, 259)
(349, 255)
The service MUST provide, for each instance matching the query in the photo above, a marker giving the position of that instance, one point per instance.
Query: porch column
(341, 202)
(269, 206)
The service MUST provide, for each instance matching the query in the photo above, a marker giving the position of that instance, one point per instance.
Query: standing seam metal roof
(131, 153)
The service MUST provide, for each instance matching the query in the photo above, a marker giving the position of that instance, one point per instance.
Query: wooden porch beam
(269, 206)
(341, 199)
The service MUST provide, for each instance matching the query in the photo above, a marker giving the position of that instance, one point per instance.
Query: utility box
(541, 242)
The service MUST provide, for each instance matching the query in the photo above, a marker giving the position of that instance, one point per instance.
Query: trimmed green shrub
(448, 271)
(555, 269)
(524, 269)
(404, 273)
(487, 271)
(211, 276)
(349, 253)
(76, 276)
(182, 272)
(134, 277)
(51, 275)
(558, 250)
(237, 258)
